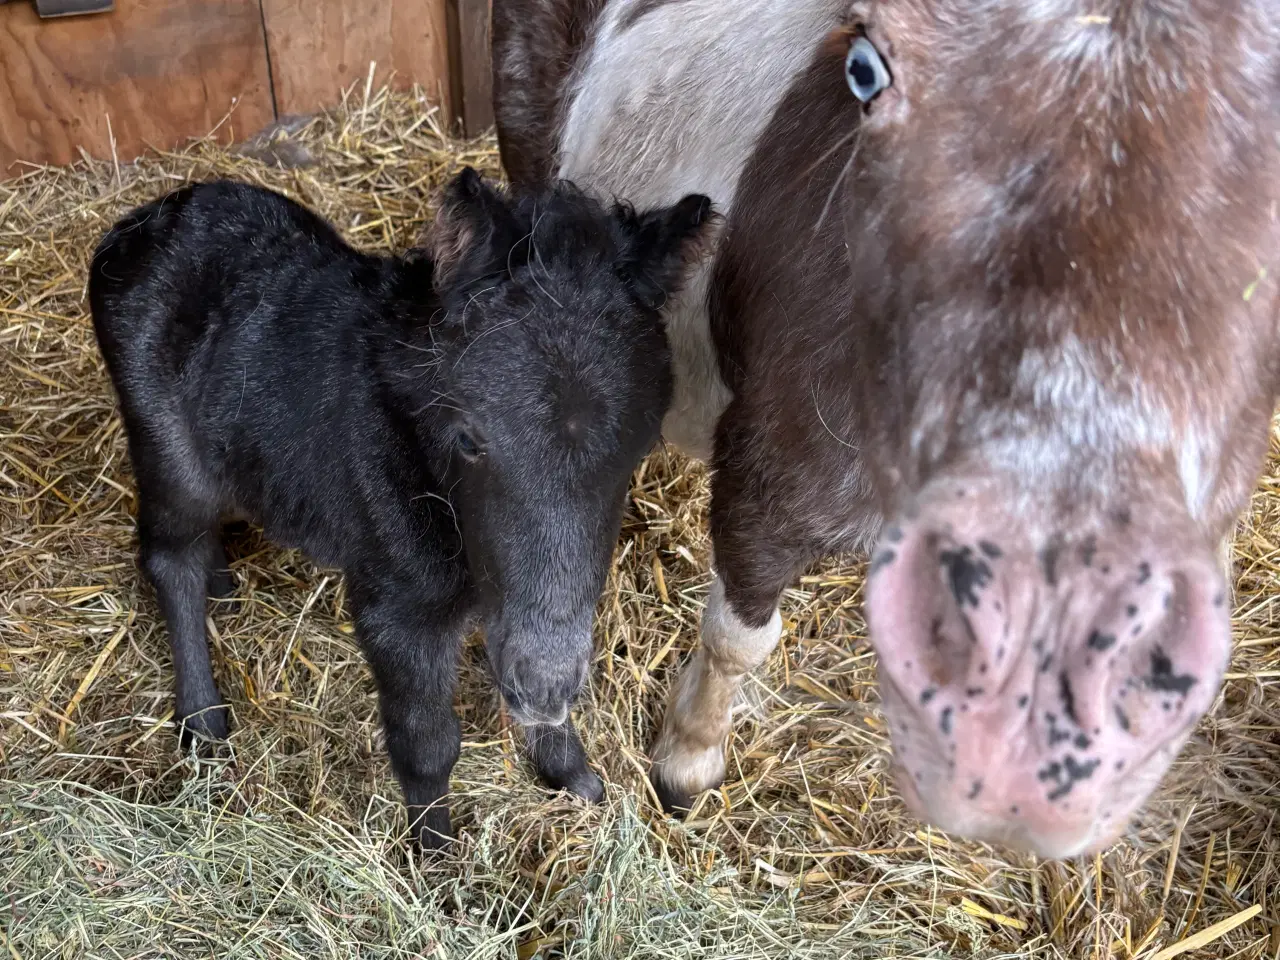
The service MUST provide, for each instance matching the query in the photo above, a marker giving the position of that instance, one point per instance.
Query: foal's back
(244, 330)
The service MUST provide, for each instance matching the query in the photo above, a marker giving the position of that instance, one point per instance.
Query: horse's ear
(662, 245)
(472, 230)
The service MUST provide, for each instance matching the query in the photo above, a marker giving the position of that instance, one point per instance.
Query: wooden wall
(154, 73)
(319, 47)
(470, 69)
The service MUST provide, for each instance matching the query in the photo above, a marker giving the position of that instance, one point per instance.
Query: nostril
(967, 572)
(938, 608)
(556, 713)
(1153, 653)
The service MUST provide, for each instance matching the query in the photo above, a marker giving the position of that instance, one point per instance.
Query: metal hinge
(70, 8)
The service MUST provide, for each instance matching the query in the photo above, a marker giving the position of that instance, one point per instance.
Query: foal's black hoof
(585, 785)
(210, 725)
(581, 783)
(430, 830)
(428, 843)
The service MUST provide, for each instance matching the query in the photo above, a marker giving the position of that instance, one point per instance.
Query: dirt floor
(113, 844)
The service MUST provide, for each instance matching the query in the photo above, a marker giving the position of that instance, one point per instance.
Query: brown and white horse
(992, 301)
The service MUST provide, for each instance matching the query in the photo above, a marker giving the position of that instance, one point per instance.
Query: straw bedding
(113, 844)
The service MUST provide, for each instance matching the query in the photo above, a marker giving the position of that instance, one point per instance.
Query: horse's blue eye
(864, 70)
(467, 445)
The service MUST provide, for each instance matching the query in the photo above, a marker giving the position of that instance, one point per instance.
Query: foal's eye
(864, 70)
(467, 445)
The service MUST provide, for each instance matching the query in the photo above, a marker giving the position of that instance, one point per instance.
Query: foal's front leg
(414, 658)
(561, 761)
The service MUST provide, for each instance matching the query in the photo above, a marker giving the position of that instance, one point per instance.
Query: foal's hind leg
(179, 557)
(180, 552)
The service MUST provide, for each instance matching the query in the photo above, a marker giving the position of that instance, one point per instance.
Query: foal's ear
(662, 245)
(473, 229)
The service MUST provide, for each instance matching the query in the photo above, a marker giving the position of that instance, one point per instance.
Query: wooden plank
(320, 47)
(470, 67)
(162, 70)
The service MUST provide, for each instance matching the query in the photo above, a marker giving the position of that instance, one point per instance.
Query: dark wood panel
(320, 47)
(162, 70)
(470, 65)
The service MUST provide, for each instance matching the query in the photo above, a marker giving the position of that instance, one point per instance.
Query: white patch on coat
(674, 105)
(689, 753)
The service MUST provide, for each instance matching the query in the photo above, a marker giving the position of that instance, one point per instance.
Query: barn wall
(154, 73)
(317, 49)
(150, 72)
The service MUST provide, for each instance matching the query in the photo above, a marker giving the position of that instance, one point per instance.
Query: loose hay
(114, 845)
